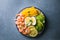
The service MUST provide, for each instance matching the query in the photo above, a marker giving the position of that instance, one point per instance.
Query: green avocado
(40, 21)
(39, 26)
(41, 17)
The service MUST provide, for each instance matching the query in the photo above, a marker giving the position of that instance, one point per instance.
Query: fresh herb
(31, 21)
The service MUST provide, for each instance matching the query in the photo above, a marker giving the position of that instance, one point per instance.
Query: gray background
(9, 8)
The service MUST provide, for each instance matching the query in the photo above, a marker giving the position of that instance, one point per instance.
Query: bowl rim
(40, 31)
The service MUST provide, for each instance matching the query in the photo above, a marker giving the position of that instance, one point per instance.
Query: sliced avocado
(41, 17)
(39, 26)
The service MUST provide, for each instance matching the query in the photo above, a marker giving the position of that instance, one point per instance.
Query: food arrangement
(30, 21)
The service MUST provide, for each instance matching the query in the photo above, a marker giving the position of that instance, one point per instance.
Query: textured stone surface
(9, 8)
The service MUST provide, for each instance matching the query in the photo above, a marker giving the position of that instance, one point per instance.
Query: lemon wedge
(33, 31)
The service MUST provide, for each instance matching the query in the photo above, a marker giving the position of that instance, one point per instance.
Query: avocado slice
(41, 17)
(39, 26)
